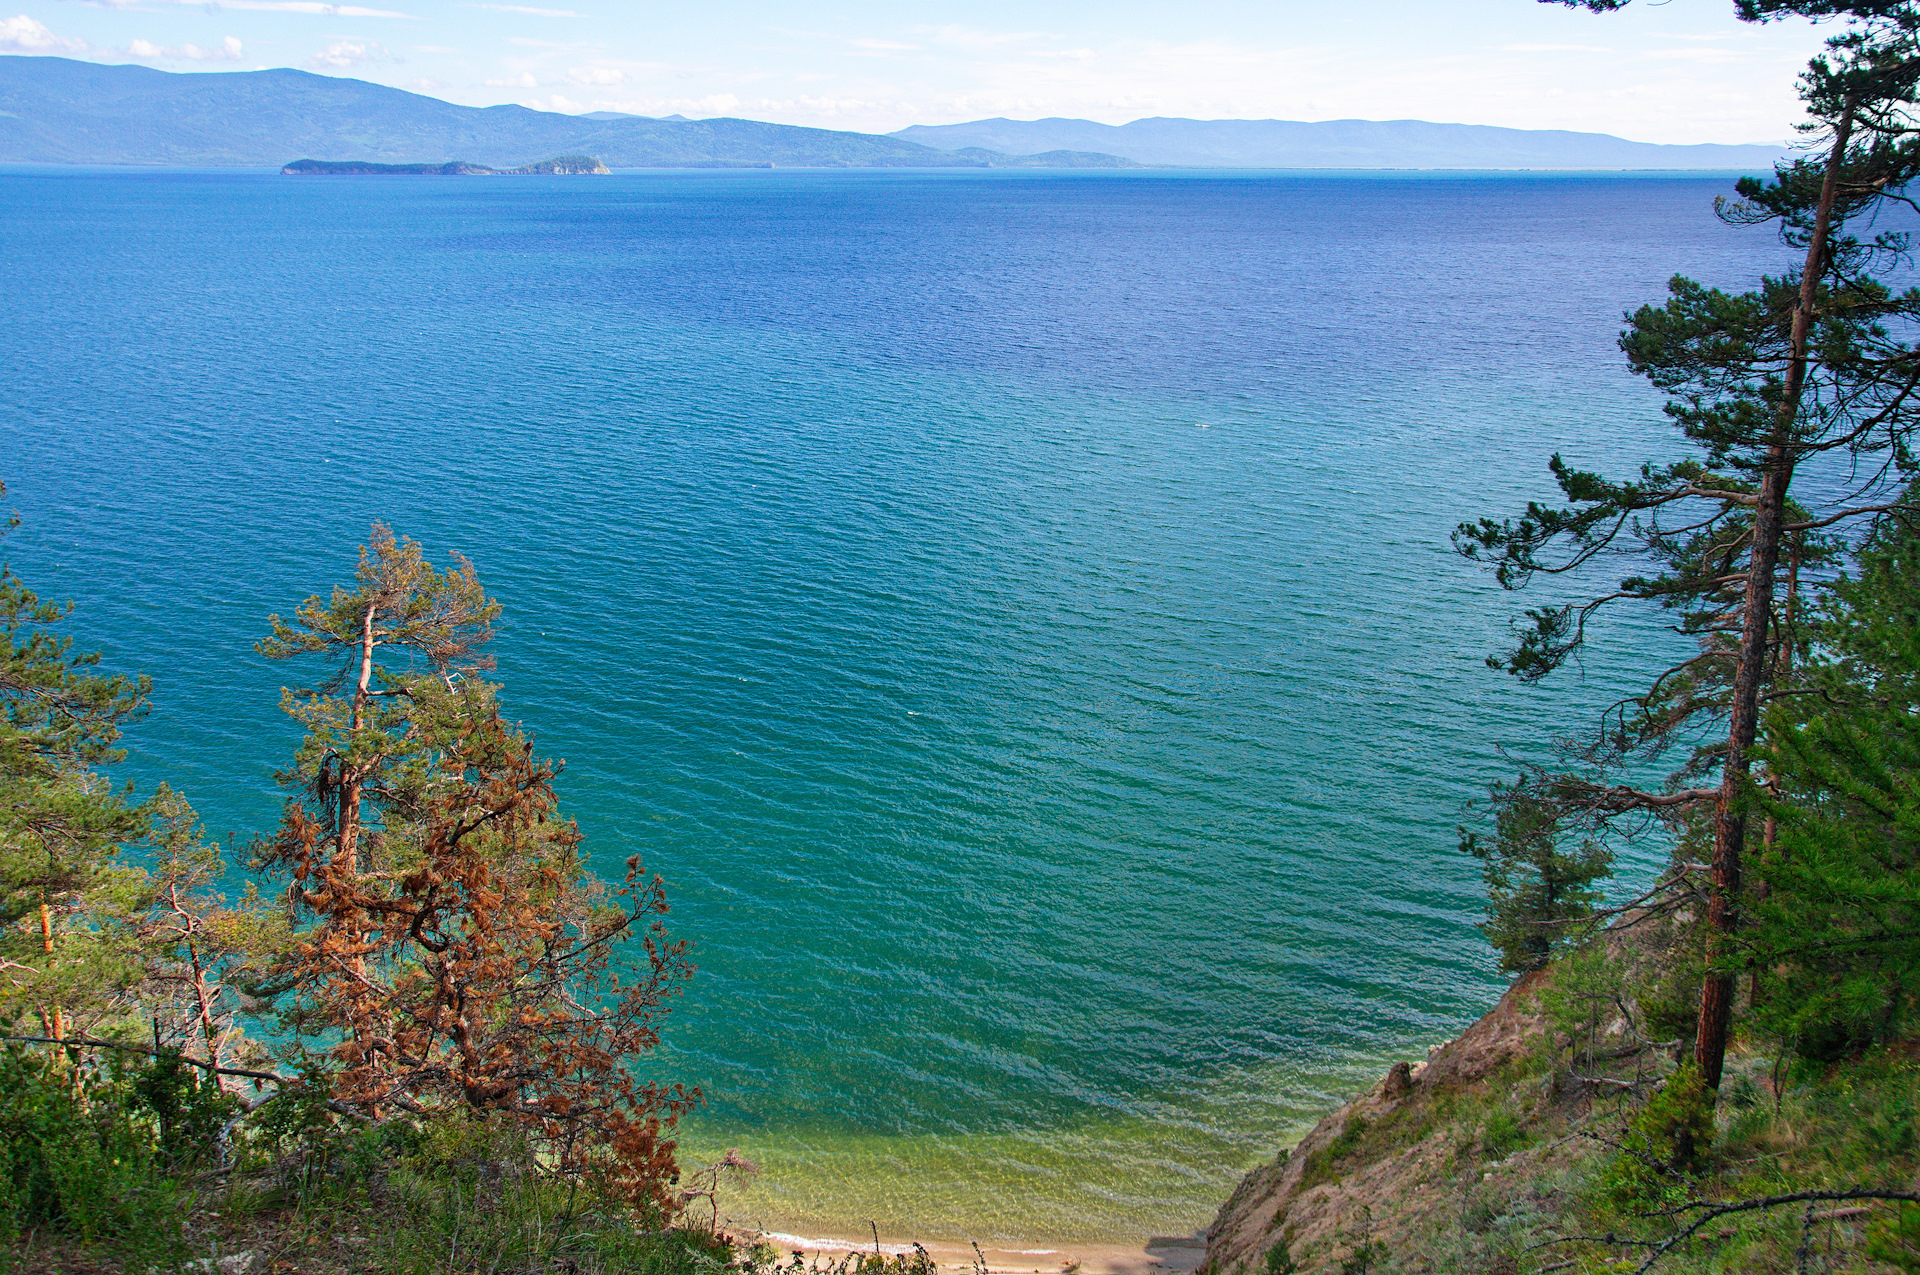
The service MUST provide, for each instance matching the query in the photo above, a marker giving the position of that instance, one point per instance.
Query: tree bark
(347, 847)
(55, 1021)
(1769, 519)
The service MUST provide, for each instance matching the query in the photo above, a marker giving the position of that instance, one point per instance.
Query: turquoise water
(1012, 611)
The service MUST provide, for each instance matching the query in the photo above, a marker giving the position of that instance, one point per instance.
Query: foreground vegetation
(409, 1041)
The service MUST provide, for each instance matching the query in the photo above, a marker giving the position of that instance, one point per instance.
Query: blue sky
(1683, 71)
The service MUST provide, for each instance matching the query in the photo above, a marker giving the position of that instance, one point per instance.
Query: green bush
(82, 1154)
(1320, 1164)
(1503, 1134)
(1664, 1143)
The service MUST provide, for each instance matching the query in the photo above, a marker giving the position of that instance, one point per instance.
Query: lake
(1012, 610)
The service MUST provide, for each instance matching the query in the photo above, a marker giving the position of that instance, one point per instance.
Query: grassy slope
(1509, 1139)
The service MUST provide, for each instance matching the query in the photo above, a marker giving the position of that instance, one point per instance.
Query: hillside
(1333, 144)
(1540, 1139)
(59, 111)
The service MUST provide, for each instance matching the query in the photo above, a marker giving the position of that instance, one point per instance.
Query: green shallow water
(1012, 611)
(1093, 1181)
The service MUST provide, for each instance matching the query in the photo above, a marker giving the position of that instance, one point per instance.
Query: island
(560, 165)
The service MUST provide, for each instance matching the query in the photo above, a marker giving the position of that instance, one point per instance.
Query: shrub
(1319, 1166)
(81, 1155)
(1503, 1134)
(1666, 1141)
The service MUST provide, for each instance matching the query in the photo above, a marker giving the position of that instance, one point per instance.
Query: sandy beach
(1161, 1255)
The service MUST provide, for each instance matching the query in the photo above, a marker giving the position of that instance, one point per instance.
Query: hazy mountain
(1333, 144)
(54, 110)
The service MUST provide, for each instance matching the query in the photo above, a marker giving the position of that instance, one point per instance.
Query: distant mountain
(54, 110)
(1332, 144)
(1045, 159)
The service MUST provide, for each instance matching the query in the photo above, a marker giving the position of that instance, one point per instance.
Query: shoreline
(1160, 1255)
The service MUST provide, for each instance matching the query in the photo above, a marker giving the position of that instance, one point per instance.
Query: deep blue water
(1013, 611)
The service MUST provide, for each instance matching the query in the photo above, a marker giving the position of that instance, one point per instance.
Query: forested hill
(1335, 144)
(55, 110)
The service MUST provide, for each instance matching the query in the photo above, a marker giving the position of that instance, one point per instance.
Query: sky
(1681, 71)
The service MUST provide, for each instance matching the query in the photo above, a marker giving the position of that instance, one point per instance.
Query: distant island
(560, 165)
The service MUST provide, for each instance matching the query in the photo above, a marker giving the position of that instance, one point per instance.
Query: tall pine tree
(1816, 361)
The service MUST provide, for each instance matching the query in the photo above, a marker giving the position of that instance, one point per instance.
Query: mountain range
(61, 111)
(1333, 144)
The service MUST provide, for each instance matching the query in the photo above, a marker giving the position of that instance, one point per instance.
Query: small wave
(833, 1246)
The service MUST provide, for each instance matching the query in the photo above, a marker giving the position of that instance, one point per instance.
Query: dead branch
(1718, 1209)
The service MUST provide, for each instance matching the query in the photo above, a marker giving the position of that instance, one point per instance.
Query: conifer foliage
(1838, 927)
(1536, 885)
(1819, 361)
(61, 823)
(452, 952)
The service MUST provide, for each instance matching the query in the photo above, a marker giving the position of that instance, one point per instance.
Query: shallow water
(1013, 611)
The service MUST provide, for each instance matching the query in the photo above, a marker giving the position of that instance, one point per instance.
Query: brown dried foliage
(460, 958)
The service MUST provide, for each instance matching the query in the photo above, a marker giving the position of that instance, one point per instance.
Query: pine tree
(453, 956)
(199, 951)
(1536, 888)
(66, 952)
(1816, 361)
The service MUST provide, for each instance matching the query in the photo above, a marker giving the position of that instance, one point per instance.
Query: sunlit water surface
(1013, 611)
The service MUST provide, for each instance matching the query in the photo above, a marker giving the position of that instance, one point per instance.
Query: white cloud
(962, 37)
(147, 51)
(342, 54)
(596, 75)
(524, 80)
(885, 46)
(24, 35)
(961, 73)
(303, 6)
(264, 6)
(1696, 55)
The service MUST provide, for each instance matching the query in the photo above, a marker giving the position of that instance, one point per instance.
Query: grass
(1534, 1175)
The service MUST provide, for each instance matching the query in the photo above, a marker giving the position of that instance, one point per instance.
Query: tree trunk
(55, 1021)
(1769, 516)
(347, 847)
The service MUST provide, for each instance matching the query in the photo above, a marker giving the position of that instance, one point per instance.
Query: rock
(1398, 1084)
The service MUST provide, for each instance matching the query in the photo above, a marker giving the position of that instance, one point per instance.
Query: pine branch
(91, 1042)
